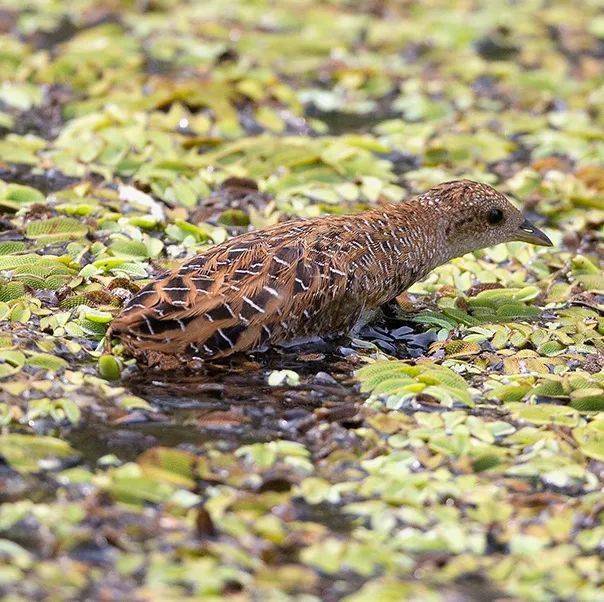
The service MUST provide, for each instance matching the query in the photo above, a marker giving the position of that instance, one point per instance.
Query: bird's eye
(495, 216)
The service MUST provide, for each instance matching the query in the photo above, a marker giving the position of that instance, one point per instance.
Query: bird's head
(474, 215)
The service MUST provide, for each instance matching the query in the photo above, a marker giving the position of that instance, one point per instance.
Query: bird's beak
(529, 233)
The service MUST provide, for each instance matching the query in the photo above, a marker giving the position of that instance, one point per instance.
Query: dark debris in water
(233, 399)
(48, 181)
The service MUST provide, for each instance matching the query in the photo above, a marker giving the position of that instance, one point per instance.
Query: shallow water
(232, 403)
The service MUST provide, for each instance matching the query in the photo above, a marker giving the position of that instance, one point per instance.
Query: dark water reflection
(231, 403)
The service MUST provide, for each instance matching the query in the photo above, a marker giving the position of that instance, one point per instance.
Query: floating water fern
(11, 246)
(91, 298)
(496, 296)
(56, 229)
(583, 391)
(94, 322)
(399, 381)
(15, 196)
(46, 361)
(489, 306)
(129, 249)
(11, 290)
(586, 273)
(459, 348)
(39, 272)
(591, 439)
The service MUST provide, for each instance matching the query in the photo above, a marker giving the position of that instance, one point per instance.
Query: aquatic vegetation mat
(455, 450)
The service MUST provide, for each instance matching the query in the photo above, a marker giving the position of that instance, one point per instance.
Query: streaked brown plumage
(313, 277)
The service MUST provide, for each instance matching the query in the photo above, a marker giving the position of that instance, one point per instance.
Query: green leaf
(8, 247)
(15, 196)
(544, 413)
(11, 290)
(129, 249)
(588, 400)
(56, 229)
(27, 453)
(591, 441)
(170, 465)
(398, 379)
(109, 367)
(46, 361)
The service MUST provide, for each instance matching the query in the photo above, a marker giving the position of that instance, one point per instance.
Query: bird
(309, 278)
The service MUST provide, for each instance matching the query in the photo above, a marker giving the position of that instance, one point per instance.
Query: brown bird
(307, 278)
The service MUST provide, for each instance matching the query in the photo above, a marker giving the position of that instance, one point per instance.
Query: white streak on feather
(271, 291)
(301, 284)
(278, 260)
(224, 336)
(252, 304)
(148, 323)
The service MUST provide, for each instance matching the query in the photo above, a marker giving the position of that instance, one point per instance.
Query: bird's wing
(238, 296)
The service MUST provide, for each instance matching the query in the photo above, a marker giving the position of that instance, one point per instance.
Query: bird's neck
(418, 233)
(407, 243)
